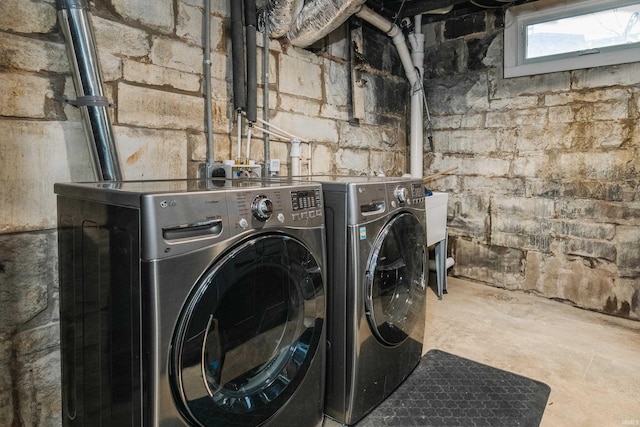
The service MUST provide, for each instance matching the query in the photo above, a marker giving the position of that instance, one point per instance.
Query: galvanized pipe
(206, 68)
(87, 78)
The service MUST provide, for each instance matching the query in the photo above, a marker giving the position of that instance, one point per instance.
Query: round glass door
(247, 335)
(395, 288)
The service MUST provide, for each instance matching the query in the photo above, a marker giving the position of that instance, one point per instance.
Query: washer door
(247, 335)
(395, 288)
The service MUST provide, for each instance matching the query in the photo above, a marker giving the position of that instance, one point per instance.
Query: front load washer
(192, 302)
(376, 289)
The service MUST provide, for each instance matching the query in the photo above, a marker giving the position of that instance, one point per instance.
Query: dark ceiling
(398, 9)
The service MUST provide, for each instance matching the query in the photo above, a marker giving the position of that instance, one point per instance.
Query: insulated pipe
(251, 22)
(265, 95)
(415, 81)
(237, 55)
(206, 68)
(87, 79)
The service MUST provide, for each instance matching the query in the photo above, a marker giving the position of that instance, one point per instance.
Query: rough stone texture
(158, 109)
(307, 81)
(24, 95)
(548, 170)
(29, 54)
(119, 39)
(154, 75)
(176, 54)
(157, 14)
(139, 148)
(50, 152)
(27, 16)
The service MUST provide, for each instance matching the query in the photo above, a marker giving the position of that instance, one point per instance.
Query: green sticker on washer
(363, 233)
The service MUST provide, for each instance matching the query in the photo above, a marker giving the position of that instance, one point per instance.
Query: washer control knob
(280, 217)
(262, 208)
(243, 223)
(401, 194)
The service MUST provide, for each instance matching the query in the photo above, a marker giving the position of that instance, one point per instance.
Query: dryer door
(247, 335)
(395, 286)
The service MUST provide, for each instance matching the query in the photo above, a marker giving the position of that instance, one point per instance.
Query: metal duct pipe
(87, 78)
(311, 22)
(265, 96)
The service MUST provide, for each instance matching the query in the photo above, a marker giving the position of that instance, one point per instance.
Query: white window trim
(518, 17)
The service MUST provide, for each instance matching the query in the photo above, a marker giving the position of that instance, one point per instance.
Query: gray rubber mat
(447, 390)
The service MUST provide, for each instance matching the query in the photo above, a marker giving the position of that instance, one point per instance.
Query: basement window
(547, 36)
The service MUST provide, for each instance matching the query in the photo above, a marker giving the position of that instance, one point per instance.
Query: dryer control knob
(401, 194)
(262, 208)
(243, 223)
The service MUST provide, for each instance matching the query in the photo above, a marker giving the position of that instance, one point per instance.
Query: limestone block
(300, 77)
(178, 55)
(219, 74)
(50, 152)
(515, 187)
(352, 162)
(516, 118)
(529, 85)
(27, 17)
(24, 95)
(159, 109)
(336, 84)
(197, 146)
(329, 111)
(273, 68)
(584, 230)
(599, 211)
(477, 141)
(218, 7)
(32, 54)
(532, 165)
(154, 75)
(119, 39)
(494, 55)
(586, 284)
(626, 302)
(628, 249)
(315, 129)
(70, 112)
(488, 264)
(189, 26)
(151, 154)
(296, 105)
(544, 136)
(157, 14)
(39, 390)
(472, 121)
(479, 165)
(595, 165)
(591, 96)
(6, 391)
(590, 248)
(322, 159)
(523, 207)
(386, 162)
(615, 75)
(110, 66)
(453, 121)
(602, 111)
(367, 136)
(25, 276)
(468, 214)
(561, 114)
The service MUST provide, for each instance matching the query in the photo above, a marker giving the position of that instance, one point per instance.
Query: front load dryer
(376, 289)
(192, 303)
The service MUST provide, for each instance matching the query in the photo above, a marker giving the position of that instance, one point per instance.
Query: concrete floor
(591, 361)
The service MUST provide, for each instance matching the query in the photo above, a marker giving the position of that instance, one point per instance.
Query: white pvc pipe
(417, 112)
(295, 157)
(239, 124)
(409, 62)
(248, 152)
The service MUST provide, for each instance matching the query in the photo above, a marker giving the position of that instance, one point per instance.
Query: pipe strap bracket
(86, 101)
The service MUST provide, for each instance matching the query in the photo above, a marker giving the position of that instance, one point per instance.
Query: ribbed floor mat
(447, 390)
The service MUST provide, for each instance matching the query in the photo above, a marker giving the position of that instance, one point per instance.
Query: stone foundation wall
(546, 197)
(151, 58)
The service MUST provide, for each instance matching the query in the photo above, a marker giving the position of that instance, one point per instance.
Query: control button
(312, 214)
(280, 217)
(243, 223)
(296, 217)
(304, 215)
(262, 208)
(318, 212)
(401, 194)
(393, 203)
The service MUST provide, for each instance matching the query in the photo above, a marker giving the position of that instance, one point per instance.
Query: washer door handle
(195, 229)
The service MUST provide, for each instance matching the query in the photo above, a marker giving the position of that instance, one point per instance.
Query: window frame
(517, 18)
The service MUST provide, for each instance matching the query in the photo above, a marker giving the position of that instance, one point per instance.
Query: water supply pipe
(251, 25)
(265, 95)
(73, 18)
